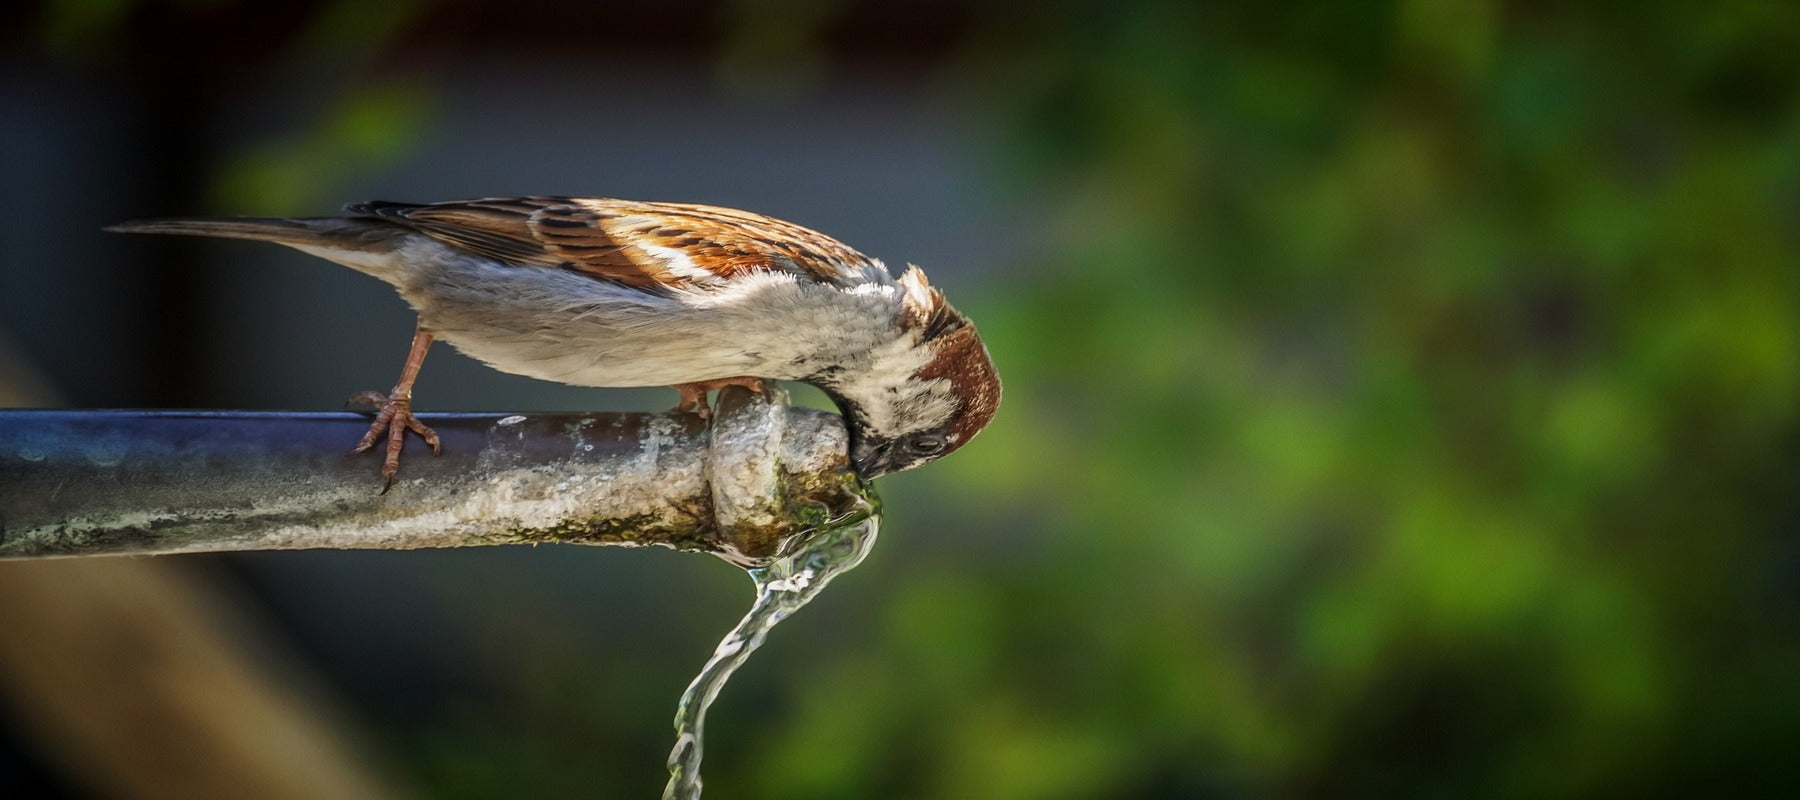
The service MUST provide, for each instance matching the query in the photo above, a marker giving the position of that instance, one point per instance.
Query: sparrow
(602, 292)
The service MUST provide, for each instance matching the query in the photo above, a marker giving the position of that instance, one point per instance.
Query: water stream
(782, 586)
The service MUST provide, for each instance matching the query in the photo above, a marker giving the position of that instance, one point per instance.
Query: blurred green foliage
(367, 123)
(370, 125)
(350, 123)
(1400, 402)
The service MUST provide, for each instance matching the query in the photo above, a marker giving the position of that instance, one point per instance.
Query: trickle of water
(782, 587)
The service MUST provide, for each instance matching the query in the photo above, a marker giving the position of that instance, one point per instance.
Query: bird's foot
(393, 418)
(693, 395)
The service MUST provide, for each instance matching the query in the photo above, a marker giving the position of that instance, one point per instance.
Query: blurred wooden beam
(130, 674)
(138, 680)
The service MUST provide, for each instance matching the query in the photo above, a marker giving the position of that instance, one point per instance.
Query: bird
(611, 293)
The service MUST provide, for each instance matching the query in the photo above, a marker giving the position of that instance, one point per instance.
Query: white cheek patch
(893, 401)
(927, 405)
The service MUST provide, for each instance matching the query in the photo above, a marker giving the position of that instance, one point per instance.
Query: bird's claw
(693, 395)
(393, 418)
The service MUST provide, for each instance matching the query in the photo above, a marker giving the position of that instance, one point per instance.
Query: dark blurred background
(1400, 395)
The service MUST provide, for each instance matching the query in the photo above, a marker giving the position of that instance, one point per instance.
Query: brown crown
(958, 356)
(962, 359)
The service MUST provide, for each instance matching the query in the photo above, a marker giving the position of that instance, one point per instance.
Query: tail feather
(336, 233)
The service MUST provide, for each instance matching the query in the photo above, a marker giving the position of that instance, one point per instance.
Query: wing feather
(639, 244)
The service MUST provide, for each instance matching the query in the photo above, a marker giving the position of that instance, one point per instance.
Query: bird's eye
(926, 444)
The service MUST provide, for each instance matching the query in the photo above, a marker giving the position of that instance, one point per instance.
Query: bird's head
(924, 395)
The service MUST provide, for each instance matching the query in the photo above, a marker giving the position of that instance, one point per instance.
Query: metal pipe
(78, 483)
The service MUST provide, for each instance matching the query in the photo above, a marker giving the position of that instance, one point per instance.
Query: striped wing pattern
(644, 245)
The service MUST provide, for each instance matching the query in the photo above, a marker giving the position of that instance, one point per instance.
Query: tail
(318, 233)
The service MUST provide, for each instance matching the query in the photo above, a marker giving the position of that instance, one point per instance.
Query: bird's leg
(394, 416)
(693, 395)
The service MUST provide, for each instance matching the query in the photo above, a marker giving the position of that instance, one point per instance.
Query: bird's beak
(870, 458)
(869, 455)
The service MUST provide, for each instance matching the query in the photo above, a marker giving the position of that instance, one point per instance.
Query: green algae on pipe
(75, 483)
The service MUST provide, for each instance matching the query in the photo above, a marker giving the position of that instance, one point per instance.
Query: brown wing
(645, 245)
